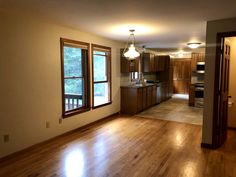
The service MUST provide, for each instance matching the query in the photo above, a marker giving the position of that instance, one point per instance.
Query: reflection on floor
(126, 147)
(175, 109)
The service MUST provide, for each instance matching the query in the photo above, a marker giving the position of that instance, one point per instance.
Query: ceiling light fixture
(193, 45)
(130, 52)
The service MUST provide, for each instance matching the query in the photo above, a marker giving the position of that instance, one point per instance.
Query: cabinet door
(129, 100)
(144, 97)
(154, 95)
(149, 96)
(160, 63)
(191, 95)
(148, 62)
(127, 66)
(194, 62)
(196, 57)
(140, 99)
(134, 65)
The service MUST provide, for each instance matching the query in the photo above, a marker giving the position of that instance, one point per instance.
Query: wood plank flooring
(127, 147)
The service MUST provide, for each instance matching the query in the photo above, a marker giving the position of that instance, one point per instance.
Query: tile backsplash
(125, 79)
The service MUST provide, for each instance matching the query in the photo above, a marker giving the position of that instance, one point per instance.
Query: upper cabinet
(127, 66)
(156, 63)
(148, 62)
(196, 57)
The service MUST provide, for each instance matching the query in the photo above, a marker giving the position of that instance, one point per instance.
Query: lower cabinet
(136, 99)
(191, 95)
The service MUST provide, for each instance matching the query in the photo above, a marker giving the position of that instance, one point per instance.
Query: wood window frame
(86, 76)
(109, 81)
(132, 76)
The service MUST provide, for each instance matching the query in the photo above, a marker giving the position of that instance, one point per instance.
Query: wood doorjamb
(216, 85)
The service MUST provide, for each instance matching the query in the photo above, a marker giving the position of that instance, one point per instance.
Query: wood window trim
(131, 77)
(109, 70)
(86, 74)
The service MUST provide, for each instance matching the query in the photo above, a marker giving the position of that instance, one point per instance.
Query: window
(75, 77)
(101, 65)
(134, 76)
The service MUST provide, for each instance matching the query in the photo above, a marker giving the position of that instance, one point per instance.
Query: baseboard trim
(208, 146)
(232, 128)
(30, 148)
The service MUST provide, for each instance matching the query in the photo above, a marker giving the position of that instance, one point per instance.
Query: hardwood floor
(127, 147)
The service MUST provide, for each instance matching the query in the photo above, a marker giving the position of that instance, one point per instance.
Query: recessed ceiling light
(193, 45)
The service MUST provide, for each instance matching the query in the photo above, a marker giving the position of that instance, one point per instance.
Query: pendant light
(130, 52)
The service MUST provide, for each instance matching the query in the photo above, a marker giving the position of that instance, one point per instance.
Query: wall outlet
(47, 124)
(6, 138)
(60, 121)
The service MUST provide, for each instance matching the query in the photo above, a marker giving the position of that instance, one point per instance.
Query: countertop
(137, 85)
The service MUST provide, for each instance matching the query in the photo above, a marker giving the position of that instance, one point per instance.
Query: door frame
(219, 38)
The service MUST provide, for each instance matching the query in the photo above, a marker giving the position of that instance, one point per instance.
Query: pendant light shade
(130, 52)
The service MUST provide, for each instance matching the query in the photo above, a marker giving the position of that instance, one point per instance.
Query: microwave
(200, 67)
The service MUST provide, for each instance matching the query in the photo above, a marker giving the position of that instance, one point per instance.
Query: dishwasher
(158, 94)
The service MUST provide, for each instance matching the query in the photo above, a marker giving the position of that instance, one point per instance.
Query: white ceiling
(158, 24)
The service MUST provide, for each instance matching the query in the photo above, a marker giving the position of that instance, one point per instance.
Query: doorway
(224, 110)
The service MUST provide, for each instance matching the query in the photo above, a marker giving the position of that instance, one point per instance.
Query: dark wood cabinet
(196, 57)
(140, 99)
(166, 77)
(127, 66)
(162, 62)
(135, 99)
(191, 95)
(148, 62)
(144, 99)
(182, 75)
(152, 63)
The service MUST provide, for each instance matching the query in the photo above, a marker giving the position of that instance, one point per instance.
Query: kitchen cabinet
(135, 99)
(152, 63)
(196, 57)
(181, 75)
(127, 66)
(162, 62)
(191, 95)
(148, 62)
(166, 77)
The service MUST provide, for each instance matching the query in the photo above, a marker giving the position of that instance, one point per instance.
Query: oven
(199, 95)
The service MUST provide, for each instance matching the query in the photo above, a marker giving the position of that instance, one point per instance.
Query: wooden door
(224, 66)
(181, 75)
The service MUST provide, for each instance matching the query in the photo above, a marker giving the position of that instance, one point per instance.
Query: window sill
(72, 113)
(99, 106)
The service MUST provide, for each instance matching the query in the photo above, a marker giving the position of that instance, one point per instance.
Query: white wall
(232, 83)
(213, 27)
(30, 77)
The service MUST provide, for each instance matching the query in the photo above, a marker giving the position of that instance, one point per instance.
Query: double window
(75, 76)
(101, 67)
